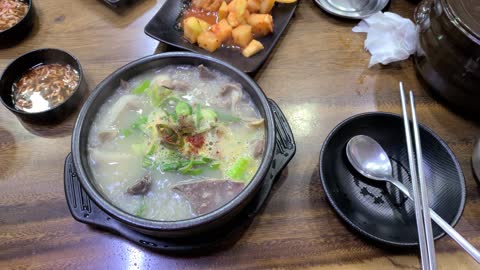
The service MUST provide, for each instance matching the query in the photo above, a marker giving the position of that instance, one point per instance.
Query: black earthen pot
(270, 166)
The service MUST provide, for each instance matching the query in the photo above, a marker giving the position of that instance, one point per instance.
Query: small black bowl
(19, 66)
(19, 31)
(378, 210)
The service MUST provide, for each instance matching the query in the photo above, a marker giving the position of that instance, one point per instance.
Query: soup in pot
(176, 143)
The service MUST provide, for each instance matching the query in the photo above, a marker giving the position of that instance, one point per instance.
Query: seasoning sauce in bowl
(11, 13)
(44, 87)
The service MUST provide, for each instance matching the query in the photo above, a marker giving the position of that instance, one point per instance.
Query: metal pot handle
(422, 12)
(285, 149)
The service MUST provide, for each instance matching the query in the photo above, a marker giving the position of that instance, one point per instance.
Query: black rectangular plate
(162, 28)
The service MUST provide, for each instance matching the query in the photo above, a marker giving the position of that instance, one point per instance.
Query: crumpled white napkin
(390, 37)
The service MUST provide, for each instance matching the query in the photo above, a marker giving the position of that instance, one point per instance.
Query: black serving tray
(85, 210)
(163, 27)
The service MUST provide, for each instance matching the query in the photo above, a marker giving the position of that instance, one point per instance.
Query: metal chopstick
(416, 191)
(423, 187)
(472, 251)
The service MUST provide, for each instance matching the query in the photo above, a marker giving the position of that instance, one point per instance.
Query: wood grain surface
(317, 74)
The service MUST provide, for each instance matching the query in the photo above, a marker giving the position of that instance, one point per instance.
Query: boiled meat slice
(205, 73)
(208, 195)
(141, 187)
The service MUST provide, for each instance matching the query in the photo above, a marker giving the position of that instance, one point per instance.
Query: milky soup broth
(175, 143)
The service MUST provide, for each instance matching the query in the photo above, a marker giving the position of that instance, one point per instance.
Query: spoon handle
(445, 226)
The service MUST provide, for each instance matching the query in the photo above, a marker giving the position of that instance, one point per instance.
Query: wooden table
(318, 74)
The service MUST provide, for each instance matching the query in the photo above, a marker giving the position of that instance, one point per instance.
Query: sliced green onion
(186, 168)
(173, 166)
(141, 87)
(141, 210)
(152, 149)
(198, 115)
(214, 166)
(166, 167)
(148, 162)
(183, 108)
(196, 171)
(209, 114)
(158, 95)
(239, 168)
(126, 132)
(141, 120)
(202, 161)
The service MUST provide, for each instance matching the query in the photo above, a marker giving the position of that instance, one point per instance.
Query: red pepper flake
(196, 140)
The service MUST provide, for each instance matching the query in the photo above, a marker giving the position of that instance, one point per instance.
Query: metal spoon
(369, 159)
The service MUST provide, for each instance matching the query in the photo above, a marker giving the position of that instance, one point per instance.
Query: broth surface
(44, 87)
(175, 143)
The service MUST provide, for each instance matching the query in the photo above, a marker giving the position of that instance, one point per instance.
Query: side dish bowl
(32, 59)
(379, 211)
(26, 62)
(21, 29)
(181, 228)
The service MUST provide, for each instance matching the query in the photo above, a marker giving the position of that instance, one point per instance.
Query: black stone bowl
(182, 228)
(19, 31)
(19, 66)
(378, 210)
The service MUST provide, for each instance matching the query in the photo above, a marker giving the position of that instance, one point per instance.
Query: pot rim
(147, 224)
(458, 23)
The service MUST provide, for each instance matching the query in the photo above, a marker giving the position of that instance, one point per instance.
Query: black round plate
(376, 209)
